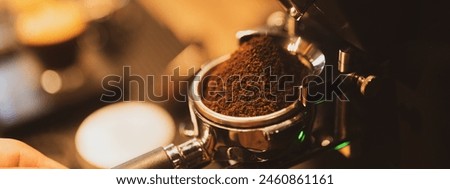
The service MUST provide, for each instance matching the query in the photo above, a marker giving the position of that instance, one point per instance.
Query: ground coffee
(259, 78)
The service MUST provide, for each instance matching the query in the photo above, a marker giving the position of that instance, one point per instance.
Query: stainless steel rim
(238, 122)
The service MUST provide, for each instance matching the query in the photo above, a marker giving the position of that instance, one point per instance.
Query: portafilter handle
(155, 159)
(190, 154)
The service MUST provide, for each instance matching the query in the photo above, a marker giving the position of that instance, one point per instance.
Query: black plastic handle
(155, 159)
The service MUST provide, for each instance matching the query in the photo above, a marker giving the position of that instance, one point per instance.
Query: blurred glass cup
(50, 29)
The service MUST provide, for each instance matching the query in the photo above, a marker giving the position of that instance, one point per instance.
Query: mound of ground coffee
(259, 78)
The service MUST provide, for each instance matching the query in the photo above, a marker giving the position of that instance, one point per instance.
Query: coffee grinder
(360, 52)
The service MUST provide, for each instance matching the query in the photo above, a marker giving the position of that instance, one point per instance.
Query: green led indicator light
(301, 136)
(342, 145)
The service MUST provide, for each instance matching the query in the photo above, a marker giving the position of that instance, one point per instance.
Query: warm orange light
(346, 151)
(18, 6)
(51, 81)
(50, 23)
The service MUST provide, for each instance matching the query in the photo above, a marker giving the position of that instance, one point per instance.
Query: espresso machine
(377, 89)
(375, 94)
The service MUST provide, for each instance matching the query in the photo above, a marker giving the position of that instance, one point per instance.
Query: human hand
(16, 154)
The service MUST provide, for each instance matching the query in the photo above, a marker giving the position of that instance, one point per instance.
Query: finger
(14, 153)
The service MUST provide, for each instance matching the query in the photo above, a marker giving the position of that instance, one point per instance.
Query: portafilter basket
(229, 139)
